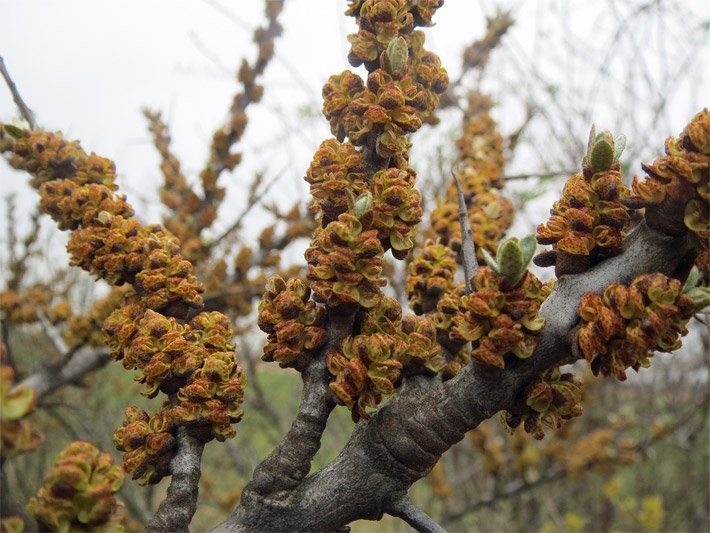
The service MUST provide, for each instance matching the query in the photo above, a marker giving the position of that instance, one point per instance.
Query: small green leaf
(510, 260)
(363, 203)
(692, 281)
(104, 217)
(601, 157)
(528, 244)
(488, 258)
(701, 299)
(14, 131)
(397, 54)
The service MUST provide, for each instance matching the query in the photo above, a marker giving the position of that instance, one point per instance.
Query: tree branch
(52, 377)
(25, 111)
(290, 461)
(403, 507)
(176, 510)
(404, 439)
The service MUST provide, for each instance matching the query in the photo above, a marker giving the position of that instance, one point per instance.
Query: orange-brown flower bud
(677, 190)
(79, 492)
(624, 328)
(292, 320)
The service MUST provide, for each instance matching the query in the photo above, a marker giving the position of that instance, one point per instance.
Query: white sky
(87, 67)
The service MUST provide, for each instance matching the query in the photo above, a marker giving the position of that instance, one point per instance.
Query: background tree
(463, 357)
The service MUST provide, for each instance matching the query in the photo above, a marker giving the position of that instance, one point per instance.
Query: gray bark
(405, 438)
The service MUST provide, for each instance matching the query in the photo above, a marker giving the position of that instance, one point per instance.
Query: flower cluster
(589, 222)
(176, 194)
(365, 369)
(404, 81)
(554, 398)
(20, 307)
(624, 328)
(79, 492)
(476, 55)
(498, 319)
(337, 176)
(369, 365)
(480, 149)
(173, 356)
(345, 264)
(122, 250)
(148, 444)
(393, 208)
(292, 321)
(17, 434)
(431, 274)
(677, 191)
(194, 363)
(500, 316)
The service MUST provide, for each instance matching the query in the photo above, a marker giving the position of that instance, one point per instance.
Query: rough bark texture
(404, 439)
(176, 510)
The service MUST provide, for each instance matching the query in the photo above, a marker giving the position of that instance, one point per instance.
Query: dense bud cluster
(476, 55)
(589, 222)
(431, 274)
(337, 177)
(370, 364)
(500, 315)
(16, 434)
(624, 328)
(404, 81)
(554, 398)
(176, 194)
(345, 264)
(499, 319)
(79, 494)
(293, 322)
(148, 444)
(194, 363)
(600, 450)
(676, 192)
(196, 360)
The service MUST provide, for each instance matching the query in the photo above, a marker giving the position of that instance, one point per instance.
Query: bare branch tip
(25, 111)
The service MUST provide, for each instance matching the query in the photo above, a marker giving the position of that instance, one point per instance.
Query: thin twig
(468, 248)
(238, 222)
(542, 174)
(25, 111)
(403, 507)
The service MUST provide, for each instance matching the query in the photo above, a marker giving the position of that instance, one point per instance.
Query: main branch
(404, 439)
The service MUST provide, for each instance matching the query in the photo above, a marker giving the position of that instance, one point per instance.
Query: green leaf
(528, 244)
(692, 281)
(510, 260)
(14, 131)
(363, 203)
(397, 54)
(488, 258)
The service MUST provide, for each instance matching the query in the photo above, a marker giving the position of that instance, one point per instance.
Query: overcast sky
(87, 67)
